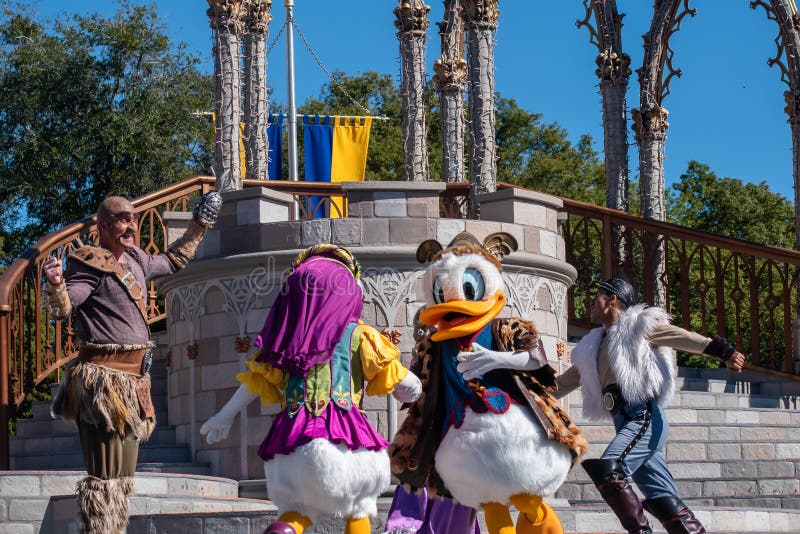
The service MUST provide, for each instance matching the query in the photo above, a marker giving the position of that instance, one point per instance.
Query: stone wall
(221, 300)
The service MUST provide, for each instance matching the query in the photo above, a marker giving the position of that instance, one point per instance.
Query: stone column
(225, 17)
(450, 80)
(412, 25)
(256, 97)
(480, 18)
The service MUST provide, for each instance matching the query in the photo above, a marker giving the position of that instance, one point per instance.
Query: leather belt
(129, 361)
(613, 401)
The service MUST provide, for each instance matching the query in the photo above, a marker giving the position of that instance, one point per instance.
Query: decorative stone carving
(239, 300)
(225, 14)
(258, 15)
(450, 73)
(191, 299)
(650, 121)
(612, 66)
(484, 13)
(412, 16)
(523, 296)
(388, 289)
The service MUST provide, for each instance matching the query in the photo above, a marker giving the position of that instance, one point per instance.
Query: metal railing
(712, 284)
(715, 285)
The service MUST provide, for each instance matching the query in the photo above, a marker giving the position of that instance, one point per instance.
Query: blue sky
(726, 110)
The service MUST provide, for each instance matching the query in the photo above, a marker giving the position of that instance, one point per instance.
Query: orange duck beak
(459, 318)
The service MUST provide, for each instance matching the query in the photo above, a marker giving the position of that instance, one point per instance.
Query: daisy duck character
(322, 457)
(486, 431)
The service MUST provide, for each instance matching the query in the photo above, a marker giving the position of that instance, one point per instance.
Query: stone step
(167, 511)
(702, 488)
(712, 450)
(186, 468)
(747, 381)
(44, 425)
(713, 416)
(147, 453)
(45, 484)
(70, 443)
(34, 501)
(702, 399)
(718, 469)
(594, 519)
(599, 432)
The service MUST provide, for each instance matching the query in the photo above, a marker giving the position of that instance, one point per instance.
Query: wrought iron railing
(714, 284)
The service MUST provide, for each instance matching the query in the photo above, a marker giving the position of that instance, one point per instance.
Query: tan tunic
(663, 336)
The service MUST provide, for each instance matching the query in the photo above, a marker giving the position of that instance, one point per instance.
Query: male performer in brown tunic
(106, 389)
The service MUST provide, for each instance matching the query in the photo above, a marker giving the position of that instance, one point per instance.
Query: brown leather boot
(674, 515)
(615, 489)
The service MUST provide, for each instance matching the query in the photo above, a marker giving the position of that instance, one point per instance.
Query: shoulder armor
(96, 257)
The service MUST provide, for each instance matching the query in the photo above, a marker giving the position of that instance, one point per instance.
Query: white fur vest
(642, 371)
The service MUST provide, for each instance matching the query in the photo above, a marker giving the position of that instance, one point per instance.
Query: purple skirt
(350, 428)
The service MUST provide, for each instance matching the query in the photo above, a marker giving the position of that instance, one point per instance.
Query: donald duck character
(322, 457)
(486, 430)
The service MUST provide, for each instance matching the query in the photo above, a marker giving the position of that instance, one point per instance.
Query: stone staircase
(42, 442)
(734, 449)
(38, 494)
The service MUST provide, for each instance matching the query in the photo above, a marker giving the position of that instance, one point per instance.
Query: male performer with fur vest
(486, 429)
(106, 389)
(626, 372)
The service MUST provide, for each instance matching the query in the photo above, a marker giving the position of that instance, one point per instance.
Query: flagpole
(292, 111)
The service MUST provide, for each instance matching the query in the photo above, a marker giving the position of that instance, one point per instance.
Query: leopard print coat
(414, 446)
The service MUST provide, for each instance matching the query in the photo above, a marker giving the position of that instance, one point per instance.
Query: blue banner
(317, 151)
(275, 149)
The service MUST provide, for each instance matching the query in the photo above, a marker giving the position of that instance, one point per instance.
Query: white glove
(482, 360)
(408, 389)
(219, 425)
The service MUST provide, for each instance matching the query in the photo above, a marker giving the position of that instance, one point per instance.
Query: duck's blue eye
(472, 284)
(438, 291)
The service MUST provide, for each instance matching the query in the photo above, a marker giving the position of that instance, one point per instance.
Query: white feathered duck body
(486, 430)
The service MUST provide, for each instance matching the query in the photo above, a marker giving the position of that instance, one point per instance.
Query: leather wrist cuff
(182, 250)
(720, 348)
(55, 300)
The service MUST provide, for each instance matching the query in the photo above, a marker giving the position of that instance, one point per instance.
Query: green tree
(703, 201)
(92, 106)
(539, 155)
(355, 95)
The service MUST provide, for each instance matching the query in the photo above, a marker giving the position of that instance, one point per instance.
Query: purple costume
(316, 312)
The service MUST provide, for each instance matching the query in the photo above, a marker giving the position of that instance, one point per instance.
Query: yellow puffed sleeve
(263, 379)
(379, 360)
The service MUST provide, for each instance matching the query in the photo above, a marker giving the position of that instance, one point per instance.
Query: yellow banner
(349, 159)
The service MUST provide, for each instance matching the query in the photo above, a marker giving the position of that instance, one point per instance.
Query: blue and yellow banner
(335, 150)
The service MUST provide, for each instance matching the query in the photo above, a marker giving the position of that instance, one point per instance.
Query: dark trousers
(107, 454)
